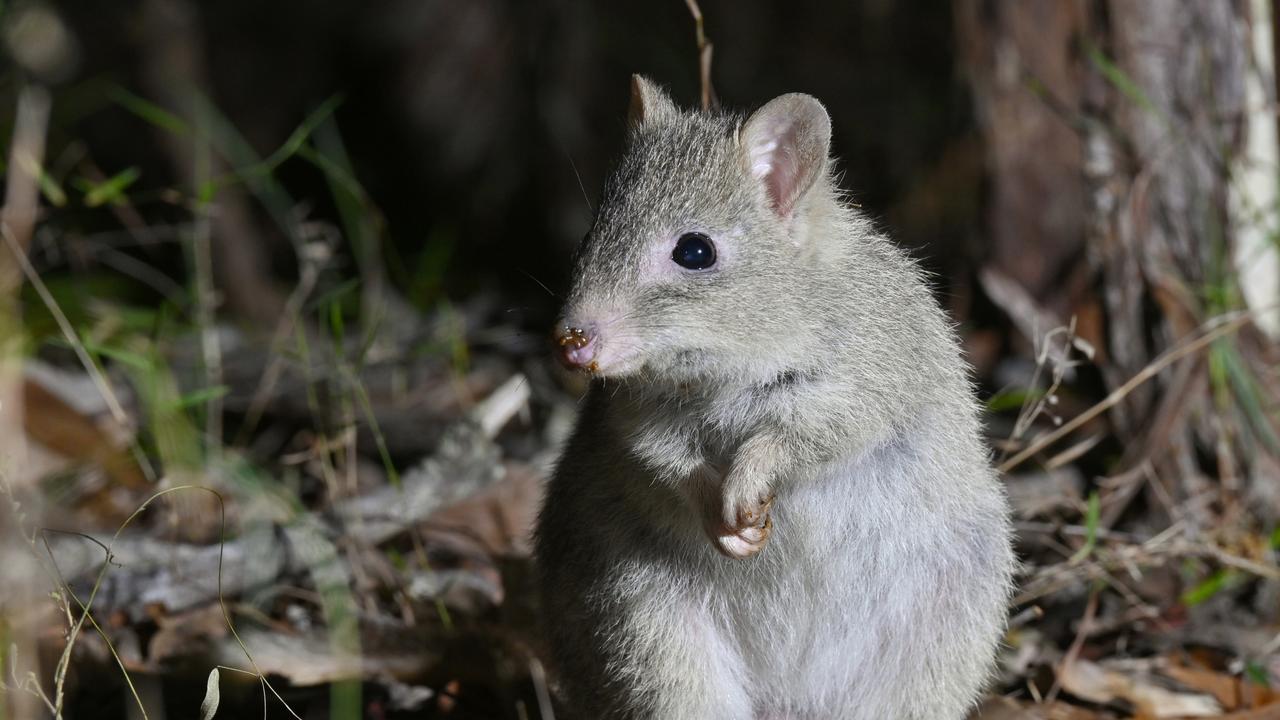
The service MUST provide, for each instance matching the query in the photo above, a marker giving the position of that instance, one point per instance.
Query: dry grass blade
(1210, 331)
(69, 332)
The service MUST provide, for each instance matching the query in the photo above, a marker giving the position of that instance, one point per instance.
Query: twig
(1151, 370)
(138, 270)
(539, 677)
(704, 56)
(501, 405)
(1047, 356)
(1156, 551)
(1082, 632)
(288, 322)
(1075, 531)
(1032, 614)
(73, 339)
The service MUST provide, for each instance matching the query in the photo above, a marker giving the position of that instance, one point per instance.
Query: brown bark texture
(1111, 131)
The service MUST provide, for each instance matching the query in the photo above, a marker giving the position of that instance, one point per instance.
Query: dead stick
(1110, 401)
(1073, 652)
(704, 55)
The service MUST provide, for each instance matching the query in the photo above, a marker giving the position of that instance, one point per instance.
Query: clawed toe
(748, 534)
(744, 542)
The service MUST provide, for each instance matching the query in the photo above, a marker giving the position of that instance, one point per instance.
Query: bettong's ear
(785, 145)
(649, 103)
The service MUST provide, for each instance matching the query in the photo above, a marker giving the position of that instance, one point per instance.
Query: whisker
(542, 285)
(577, 176)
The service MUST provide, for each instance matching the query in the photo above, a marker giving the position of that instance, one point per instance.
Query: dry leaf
(501, 517)
(186, 634)
(1222, 687)
(1098, 684)
(209, 706)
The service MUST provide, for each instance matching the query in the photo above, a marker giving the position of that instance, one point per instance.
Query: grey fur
(810, 365)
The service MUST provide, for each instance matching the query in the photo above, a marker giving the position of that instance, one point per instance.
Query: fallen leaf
(209, 706)
(1232, 692)
(186, 634)
(1095, 683)
(501, 517)
(1223, 688)
(60, 427)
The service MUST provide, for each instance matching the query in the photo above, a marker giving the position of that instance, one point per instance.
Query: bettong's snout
(577, 347)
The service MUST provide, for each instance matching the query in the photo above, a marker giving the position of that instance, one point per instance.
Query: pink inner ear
(774, 162)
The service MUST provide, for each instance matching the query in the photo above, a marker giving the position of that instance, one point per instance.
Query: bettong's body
(776, 503)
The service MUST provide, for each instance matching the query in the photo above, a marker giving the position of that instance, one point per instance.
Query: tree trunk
(1120, 139)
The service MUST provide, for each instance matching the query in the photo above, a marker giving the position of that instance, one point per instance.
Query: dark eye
(694, 251)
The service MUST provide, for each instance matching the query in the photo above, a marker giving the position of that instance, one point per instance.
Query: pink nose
(577, 348)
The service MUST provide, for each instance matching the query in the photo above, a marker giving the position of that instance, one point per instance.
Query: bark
(1018, 57)
(1114, 133)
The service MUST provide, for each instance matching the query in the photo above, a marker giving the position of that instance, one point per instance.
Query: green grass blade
(112, 190)
(1212, 585)
(51, 189)
(1092, 513)
(201, 396)
(148, 111)
(1120, 80)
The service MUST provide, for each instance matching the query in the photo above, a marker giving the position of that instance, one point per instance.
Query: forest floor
(362, 549)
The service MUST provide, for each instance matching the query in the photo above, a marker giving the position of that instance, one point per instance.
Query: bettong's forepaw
(747, 534)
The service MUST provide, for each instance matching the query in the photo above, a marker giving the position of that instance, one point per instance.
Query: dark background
(466, 121)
